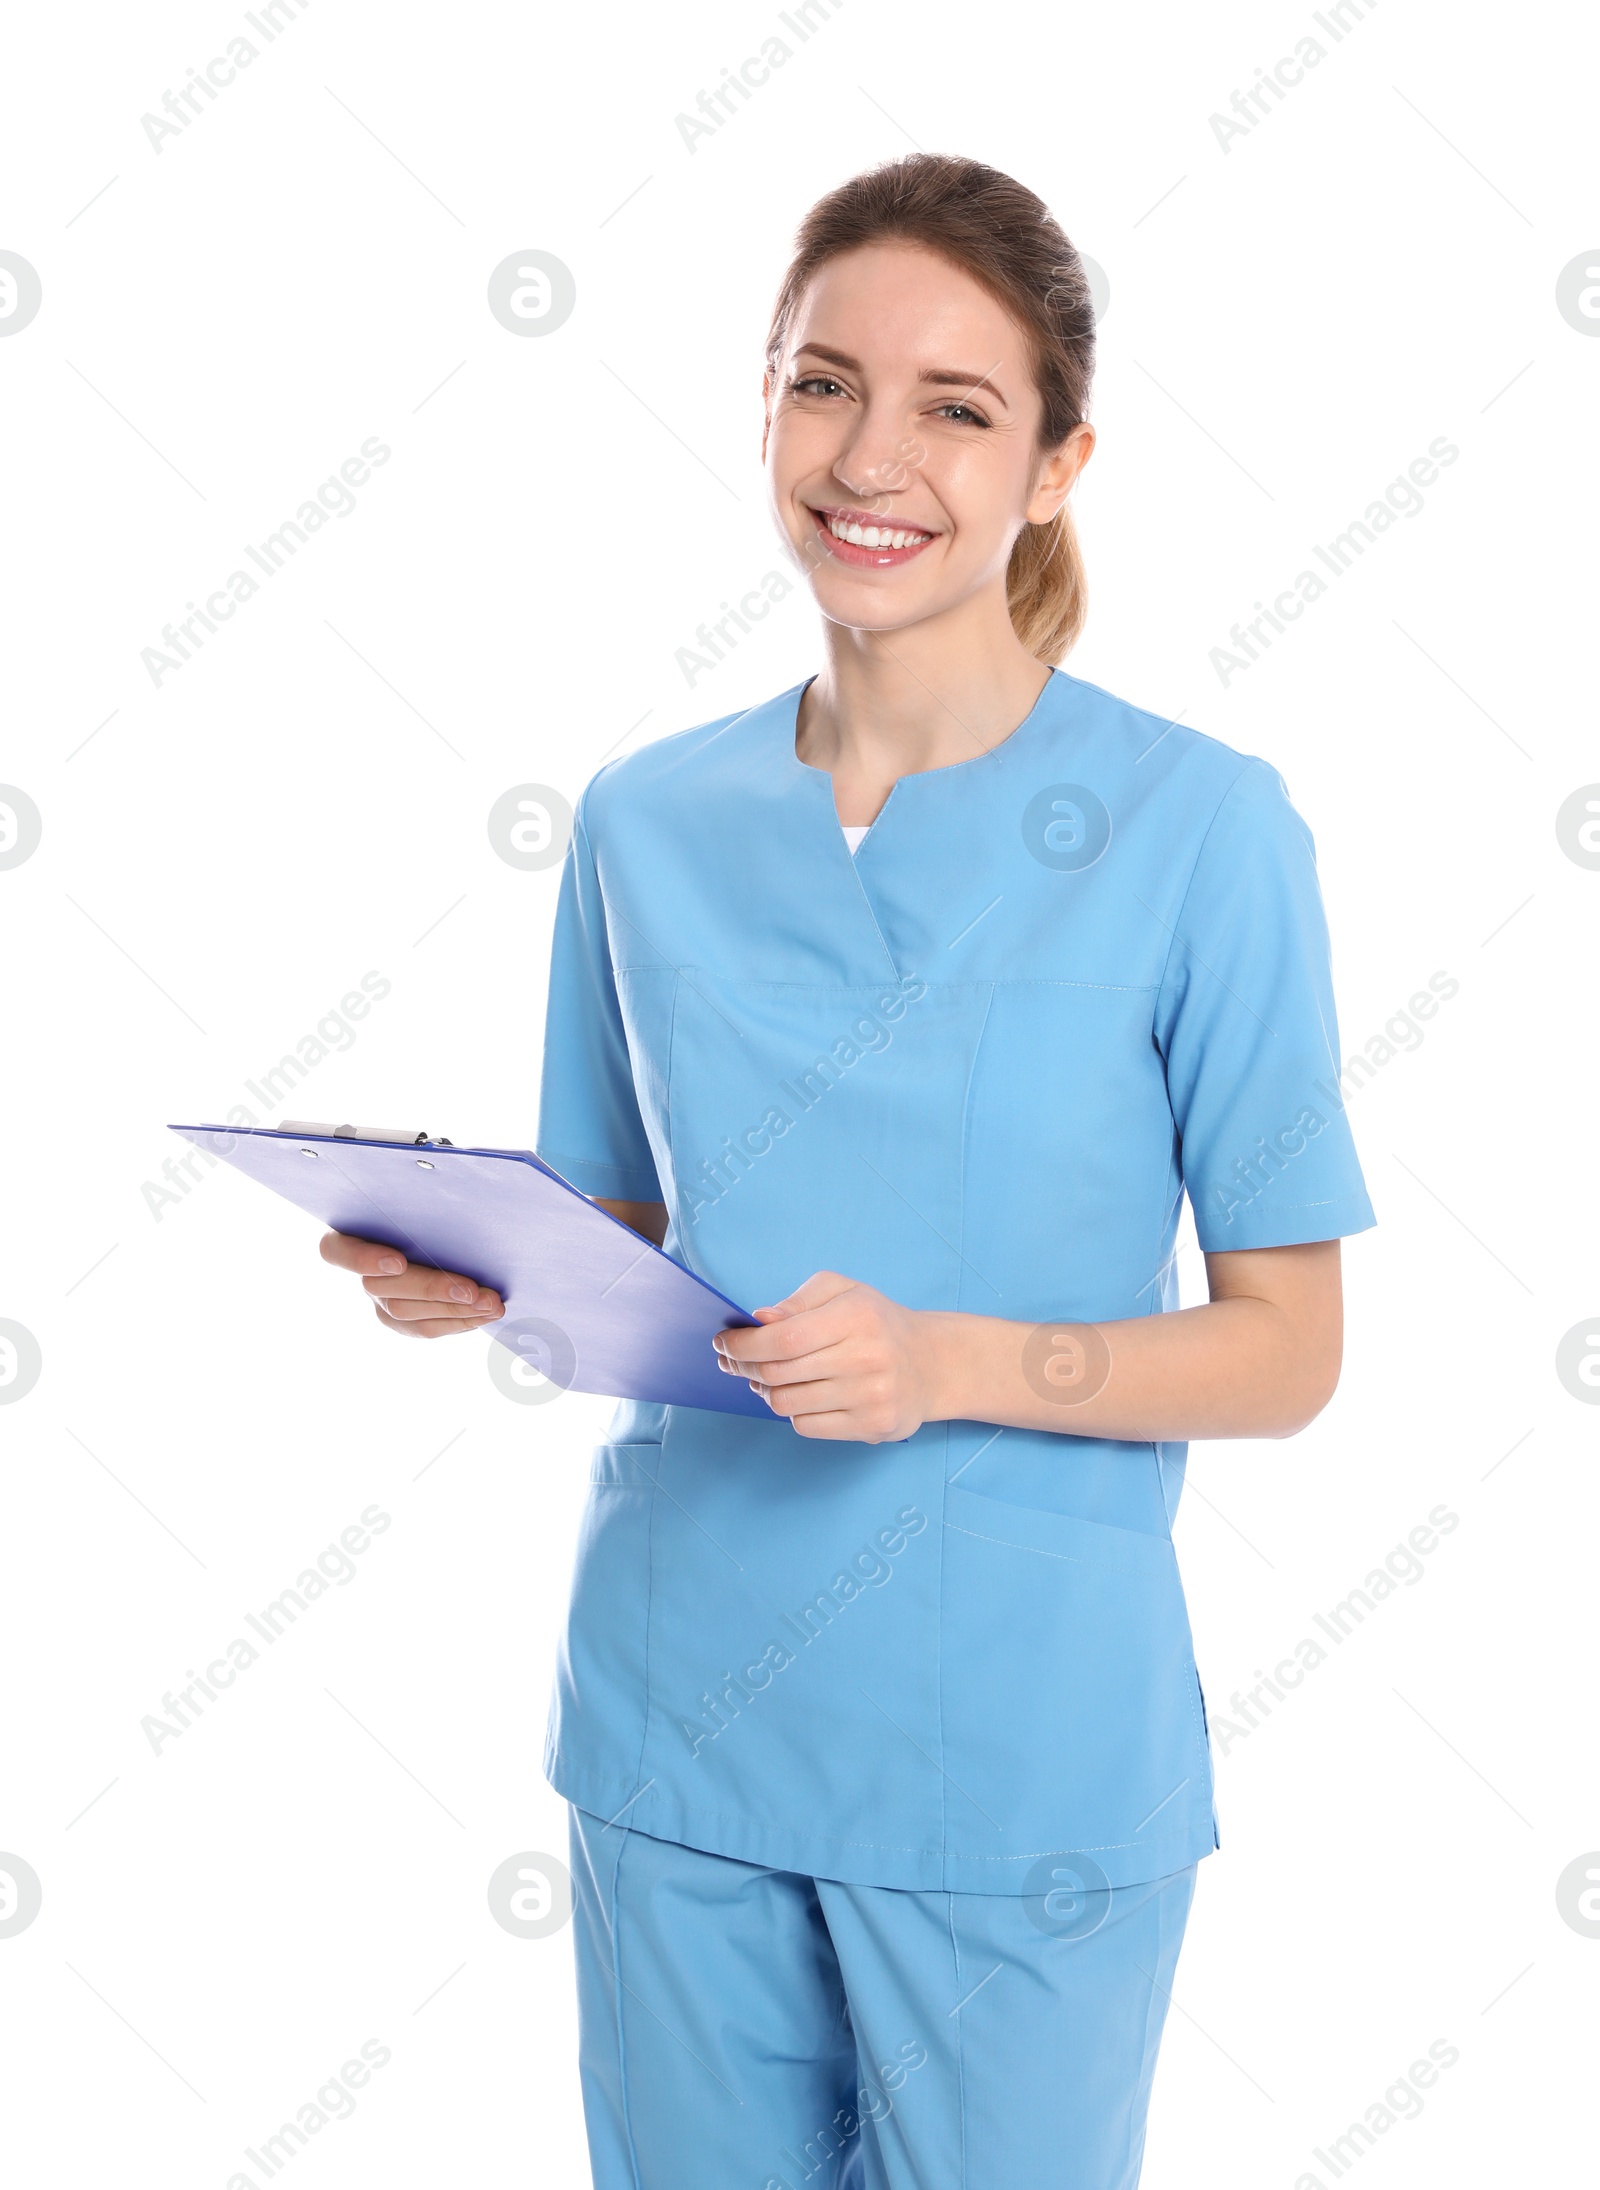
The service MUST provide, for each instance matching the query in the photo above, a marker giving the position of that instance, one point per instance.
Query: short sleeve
(590, 1128)
(1245, 1023)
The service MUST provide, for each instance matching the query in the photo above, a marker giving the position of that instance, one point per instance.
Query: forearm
(647, 1218)
(1238, 1367)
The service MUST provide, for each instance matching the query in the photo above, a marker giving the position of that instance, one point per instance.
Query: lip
(865, 558)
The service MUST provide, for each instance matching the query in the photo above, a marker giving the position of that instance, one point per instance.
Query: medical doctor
(912, 1002)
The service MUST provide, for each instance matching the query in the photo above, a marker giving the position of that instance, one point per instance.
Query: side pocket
(1071, 1705)
(602, 1666)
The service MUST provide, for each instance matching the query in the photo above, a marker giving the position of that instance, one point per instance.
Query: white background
(1291, 322)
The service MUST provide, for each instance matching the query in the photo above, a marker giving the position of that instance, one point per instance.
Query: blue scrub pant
(751, 2029)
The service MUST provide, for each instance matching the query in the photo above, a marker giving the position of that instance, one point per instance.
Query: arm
(1260, 1359)
(647, 1218)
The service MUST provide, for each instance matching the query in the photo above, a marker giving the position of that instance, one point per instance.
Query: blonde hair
(996, 230)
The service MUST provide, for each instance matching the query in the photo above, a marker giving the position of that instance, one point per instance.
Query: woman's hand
(1259, 1359)
(408, 1297)
(839, 1360)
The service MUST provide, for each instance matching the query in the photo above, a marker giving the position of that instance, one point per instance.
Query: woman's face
(904, 413)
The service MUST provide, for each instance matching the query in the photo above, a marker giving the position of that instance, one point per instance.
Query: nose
(878, 459)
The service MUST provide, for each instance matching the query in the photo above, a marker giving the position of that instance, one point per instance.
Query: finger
(369, 1256)
(413, 1308)
(808, 1368)
(797, 1334)
(428, 1327)
(446, 1287)
(833, 1415)
(842, 1425)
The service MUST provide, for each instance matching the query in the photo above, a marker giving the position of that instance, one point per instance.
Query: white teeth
(874, 536)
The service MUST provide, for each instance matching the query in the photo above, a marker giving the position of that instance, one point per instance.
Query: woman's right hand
(408, 1296)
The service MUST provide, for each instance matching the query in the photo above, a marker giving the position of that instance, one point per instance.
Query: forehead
(894, 304)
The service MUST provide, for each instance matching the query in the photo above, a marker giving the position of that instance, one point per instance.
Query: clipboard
(589, 1303)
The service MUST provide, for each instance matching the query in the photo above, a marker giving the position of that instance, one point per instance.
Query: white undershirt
(853, 836)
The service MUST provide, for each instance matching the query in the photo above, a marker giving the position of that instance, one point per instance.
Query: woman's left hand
(838, 1359)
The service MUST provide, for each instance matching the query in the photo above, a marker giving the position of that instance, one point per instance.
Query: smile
(867, 542)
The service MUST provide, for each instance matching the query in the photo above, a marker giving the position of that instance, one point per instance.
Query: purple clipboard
(589, 1304)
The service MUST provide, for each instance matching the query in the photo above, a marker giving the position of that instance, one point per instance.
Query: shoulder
(1181, 778)
(681, 770)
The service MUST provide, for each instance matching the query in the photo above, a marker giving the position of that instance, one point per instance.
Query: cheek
(801, 444)
(983, 491)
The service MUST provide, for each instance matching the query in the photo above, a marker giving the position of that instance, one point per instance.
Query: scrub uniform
(976, 1065)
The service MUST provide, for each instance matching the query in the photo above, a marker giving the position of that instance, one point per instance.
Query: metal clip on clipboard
(405, 1133)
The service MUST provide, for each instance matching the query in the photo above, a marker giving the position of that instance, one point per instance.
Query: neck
(896, 703)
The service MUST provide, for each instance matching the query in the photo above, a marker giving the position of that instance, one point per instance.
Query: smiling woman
(1033, 322)
(970, 1814)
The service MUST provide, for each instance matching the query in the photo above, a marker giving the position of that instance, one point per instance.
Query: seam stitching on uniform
(865, 988)
(961, 2042)
(649, 1596)
(616, 1994)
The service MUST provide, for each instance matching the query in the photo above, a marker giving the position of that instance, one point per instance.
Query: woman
(925, 989)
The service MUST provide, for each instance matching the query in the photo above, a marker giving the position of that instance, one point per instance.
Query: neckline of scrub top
(790, 723)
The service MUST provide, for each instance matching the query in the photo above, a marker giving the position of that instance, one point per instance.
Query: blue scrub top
(976, 1066)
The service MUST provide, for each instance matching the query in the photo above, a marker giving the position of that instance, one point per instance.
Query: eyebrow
(933, 376)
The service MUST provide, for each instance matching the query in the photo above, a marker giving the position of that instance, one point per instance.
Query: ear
(766, 412)
(1058, 475)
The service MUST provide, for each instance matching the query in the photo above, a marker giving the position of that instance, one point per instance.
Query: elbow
(1304, 1400)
